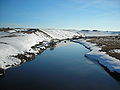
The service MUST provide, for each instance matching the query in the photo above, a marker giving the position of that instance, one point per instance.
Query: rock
(2, 72)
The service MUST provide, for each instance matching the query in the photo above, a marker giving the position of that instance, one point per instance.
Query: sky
(68, 14)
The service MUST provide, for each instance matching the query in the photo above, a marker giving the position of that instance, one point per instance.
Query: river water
(60, 68)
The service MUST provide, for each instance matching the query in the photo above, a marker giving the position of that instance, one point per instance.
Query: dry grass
(108, 44)
(5, 29)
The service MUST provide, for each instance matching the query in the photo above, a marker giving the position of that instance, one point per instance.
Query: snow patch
(116, 50)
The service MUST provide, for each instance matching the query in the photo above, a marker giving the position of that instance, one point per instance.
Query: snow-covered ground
(20, 41)
(111, 63)
(61, 34)
(116, 50)
(98, 33)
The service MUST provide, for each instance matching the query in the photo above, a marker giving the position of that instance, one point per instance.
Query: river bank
(101, 49)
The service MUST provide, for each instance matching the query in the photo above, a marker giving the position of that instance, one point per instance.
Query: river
(59, 68)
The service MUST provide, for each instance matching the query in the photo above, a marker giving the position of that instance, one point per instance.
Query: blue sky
(74, 14)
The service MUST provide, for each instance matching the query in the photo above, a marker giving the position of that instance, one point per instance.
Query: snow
(3, 34)
(97, 33)
(13, 43)
(116, 50)
(61, 34)
(111, 63)
(5, 52)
